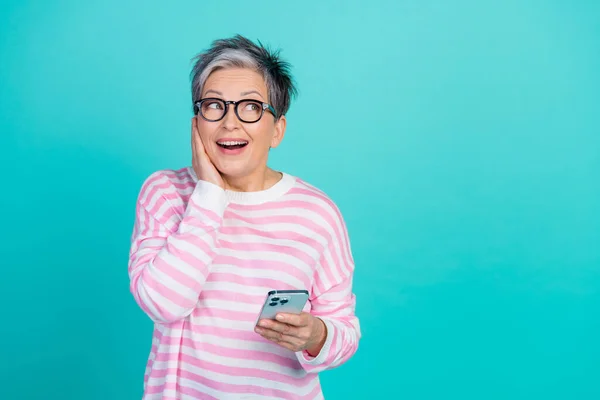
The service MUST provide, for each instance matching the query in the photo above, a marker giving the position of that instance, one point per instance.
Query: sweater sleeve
(333, 301)
(171, 252)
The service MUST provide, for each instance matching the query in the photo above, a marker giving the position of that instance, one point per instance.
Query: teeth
(232, 143)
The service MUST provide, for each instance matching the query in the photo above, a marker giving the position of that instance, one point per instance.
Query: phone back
(283, 301)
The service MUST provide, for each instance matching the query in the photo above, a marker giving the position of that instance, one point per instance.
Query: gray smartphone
(283, 301)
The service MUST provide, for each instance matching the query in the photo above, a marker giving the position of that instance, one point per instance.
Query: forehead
(235, 81)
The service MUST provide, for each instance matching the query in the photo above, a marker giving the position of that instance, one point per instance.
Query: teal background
(460, 140)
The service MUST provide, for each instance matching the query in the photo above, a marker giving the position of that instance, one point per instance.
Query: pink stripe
(319, 286)
(161, 388)
(337, 266)
(282, 268)
(205, 227)
(282, 219)
(227, 295)
(231, 315)
(196, 242)
(311, 190)
(267, 247)
(141, 259)
(244, 354)
(339, 232)
(232, 370)
(156, 191)
(166, 218)
(208, 213)
(165, 291)
(283, 235)
(188, 391)
(133, 287)
(334, 344)
(188, 281)
(266, 283)
(234, 334)
(221, 386)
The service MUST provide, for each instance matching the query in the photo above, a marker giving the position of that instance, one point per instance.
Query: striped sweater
(202, 260)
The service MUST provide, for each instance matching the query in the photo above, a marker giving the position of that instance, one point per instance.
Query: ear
(280, 125)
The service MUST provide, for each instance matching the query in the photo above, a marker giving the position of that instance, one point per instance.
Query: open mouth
(232, 144)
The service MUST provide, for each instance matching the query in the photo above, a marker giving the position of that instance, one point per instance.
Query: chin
(235, 170)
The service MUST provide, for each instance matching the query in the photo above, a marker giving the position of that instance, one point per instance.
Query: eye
(214, 105)
(252, 107)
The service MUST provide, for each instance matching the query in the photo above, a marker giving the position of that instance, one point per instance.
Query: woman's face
(237, 161)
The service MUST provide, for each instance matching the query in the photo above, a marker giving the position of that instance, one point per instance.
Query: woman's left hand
(295, 332)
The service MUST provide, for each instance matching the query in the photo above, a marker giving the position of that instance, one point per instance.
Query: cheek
(206, 131)
(261, 137)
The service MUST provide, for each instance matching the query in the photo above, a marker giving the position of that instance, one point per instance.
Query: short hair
(240, 52)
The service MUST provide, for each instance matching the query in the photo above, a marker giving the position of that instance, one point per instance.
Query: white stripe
(278, 227)
(230, 380)
(336, 216)
(156, 199)
(324, 280)
(179, 264)
(152, 244)
(230, 287)
(225, 305)
(310, 215)
(258, 256)
(190, 248)
(249, 238)
(258, 364)
(333, 267)
(146, 295)
(185, 291)
(212, 322)
(240, 344)
(258, 274)
(150, 187)
(170, 223)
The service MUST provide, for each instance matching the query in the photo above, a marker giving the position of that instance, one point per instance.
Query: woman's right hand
(204, 168)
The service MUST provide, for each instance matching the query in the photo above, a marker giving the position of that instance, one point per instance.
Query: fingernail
(280, 317)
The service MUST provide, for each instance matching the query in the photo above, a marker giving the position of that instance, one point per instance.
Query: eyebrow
(250, 92)
(214, 91)
(242, 94)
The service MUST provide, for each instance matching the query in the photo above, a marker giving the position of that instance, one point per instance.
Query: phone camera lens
(275, 299)
(272, 304)
(283, 301)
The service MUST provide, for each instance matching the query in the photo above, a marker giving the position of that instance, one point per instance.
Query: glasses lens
(250, 111)
(212, 109)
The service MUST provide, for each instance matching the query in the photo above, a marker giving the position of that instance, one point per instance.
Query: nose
(231, 121)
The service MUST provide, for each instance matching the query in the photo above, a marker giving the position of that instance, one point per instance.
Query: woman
(212, 239)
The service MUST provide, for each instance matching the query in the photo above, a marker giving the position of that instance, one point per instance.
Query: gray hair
(239, 52)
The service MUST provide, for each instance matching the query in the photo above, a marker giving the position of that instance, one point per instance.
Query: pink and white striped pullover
(201, 262)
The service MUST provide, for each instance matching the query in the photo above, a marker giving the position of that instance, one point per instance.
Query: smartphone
(283, 301)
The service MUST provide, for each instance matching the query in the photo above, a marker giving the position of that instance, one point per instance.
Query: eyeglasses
(247, 110)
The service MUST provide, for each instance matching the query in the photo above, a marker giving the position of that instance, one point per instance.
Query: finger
(279, 327)
(296, 343)
(289, 346)
(279, 338)
(269, 334)
(196, 136)
(298, 320)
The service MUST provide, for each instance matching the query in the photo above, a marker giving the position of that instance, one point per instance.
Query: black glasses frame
(264, 107)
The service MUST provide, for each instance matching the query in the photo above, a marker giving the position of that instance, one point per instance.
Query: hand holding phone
(283, 301)
(296, 330)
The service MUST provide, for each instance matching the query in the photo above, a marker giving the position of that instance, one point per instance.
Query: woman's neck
(259, 180)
